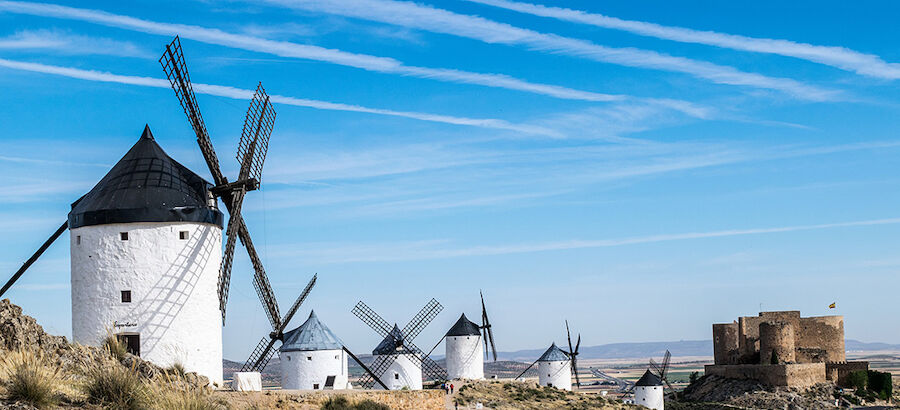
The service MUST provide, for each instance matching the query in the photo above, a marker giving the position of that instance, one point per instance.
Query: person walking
(451, 388)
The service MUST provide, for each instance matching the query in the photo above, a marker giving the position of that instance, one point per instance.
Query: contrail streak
(244, 94)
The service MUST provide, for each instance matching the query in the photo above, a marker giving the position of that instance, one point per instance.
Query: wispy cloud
(413, 15)
(330, 253)
(838, 57)
(245, 94)
(295, 50)
(68, 43)
(26, 160)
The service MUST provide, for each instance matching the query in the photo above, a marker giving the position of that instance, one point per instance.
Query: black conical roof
(648, 379)
(146, 185)
(389, 345)
(464, 327)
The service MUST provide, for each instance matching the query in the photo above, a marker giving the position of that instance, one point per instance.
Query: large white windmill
(146, 243)
(313, 358)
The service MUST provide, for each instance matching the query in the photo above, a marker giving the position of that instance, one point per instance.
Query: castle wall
(174, 306)
(839, 372)
(821, 339)
(725, 343)
(798, 374)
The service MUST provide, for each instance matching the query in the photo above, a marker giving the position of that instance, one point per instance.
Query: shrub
(176, 370)
(114, 346)
(858, 380)
(881, 384)
(342, 403)
(30, 377)
(116, 386)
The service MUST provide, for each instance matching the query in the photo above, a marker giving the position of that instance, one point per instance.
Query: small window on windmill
(289, 358)
(308, 357)
(336, 357)
(123, 236)
(126, 296)
(396, 376)
(183, 235)
(315, 386)
(78, 240)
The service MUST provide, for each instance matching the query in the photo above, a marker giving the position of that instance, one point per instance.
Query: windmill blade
(176, 71)
(569, 337)
(656, 367)
(421, 319)
(260, 355)
(578, 344)
(361, 364)
(665, 364)
(430, 369)
(488, 333)
(34, 257)
(493, 348)
(228, 257)
(379, 366)
(254, 142)
(575, 371)
(369, 317)
(290, 314)
(260, 279)
(484, 339)
(526, 369)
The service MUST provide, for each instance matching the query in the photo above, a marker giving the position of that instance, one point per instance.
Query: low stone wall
(838, 372)
(795, 375)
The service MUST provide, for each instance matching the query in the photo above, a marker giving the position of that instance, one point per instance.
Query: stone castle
(782, 349)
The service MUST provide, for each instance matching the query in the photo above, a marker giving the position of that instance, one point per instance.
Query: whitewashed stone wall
(465, 357)
(557, 374)
(405, 371)
(173, 284)
(649, 396)
(301, 370)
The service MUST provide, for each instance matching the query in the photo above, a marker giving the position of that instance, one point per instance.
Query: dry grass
(116, 386)
(30, 377)
(525, 395)
(114, 346)
(315, 400)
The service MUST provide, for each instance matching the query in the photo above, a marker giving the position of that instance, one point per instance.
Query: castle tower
(776, 343)
(465, 354)
(555, 369)
(405, 371)
(146, 244)
(312, 357)
(648, 391)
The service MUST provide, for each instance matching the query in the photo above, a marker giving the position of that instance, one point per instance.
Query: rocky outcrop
(753, 395)
(19, 331)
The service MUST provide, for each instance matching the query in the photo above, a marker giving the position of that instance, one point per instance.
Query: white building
(555, 369)
(648, 391)
(313, 358)
(465, 354)
(405, 371)
(146, 244)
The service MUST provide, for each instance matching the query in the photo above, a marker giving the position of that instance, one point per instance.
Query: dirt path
(448, 398)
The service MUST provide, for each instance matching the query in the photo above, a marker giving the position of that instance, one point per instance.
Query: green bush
(858, 380)
(881, 384)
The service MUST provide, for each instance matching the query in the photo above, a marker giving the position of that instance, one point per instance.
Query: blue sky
(640, 169)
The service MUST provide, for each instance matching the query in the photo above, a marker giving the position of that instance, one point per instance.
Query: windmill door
(132, 343)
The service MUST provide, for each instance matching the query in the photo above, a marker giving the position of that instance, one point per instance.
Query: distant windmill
(264, 350)
(464, 349)
(398, 362)
(556, 366)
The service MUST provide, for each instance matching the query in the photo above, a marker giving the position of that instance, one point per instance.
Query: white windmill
(556, 366)
(648, 391)
(463, 343)
(146, 243)
(313, 358)
(398, 362)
